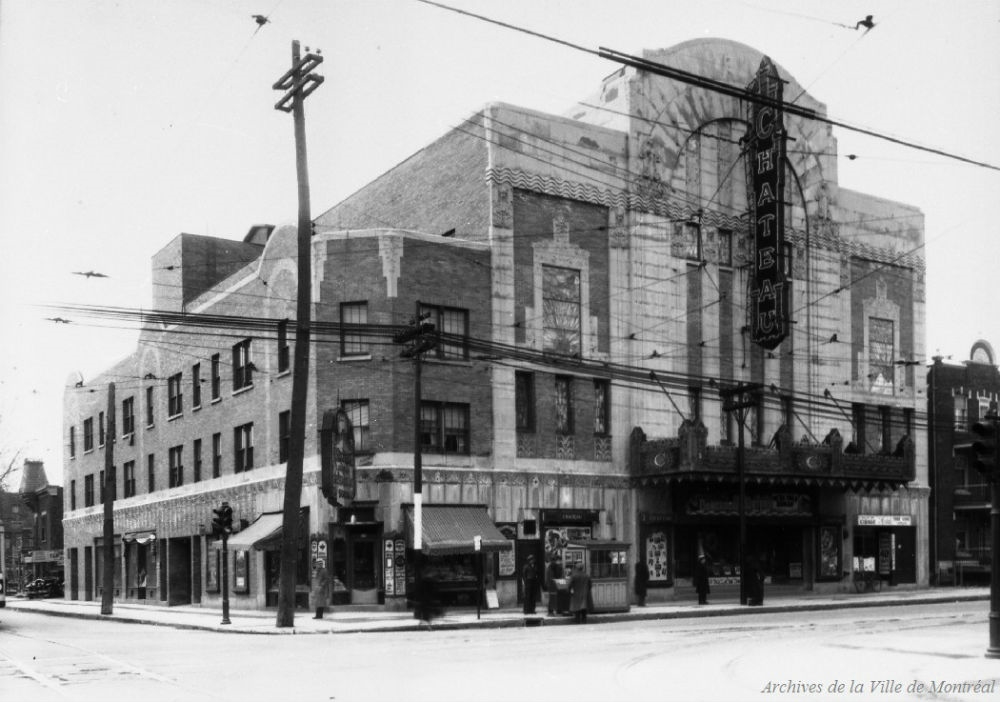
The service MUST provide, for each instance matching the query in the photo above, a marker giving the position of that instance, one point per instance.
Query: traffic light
(222, 522)
(982, 450)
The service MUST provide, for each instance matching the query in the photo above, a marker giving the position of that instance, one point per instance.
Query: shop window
(353, 317)
(175, 398)
(357, 412)
(524, 401)
(561, 307)
(609, 564)
(564, 404)
(243, 367)
(241, 572)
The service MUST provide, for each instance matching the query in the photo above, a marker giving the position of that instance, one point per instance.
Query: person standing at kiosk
(530, 576)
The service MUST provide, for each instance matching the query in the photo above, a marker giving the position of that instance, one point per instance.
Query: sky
(126, 123)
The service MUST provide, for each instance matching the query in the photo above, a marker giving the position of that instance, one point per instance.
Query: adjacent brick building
(589, 275)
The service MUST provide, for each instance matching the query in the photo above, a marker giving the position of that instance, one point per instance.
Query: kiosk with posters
(607, 564)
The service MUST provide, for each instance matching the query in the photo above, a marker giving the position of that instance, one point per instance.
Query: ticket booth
(607, 564)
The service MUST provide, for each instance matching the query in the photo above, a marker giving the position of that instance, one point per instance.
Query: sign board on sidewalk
(492, 601)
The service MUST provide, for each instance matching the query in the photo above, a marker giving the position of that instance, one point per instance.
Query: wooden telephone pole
(298, 83)
(108, 565)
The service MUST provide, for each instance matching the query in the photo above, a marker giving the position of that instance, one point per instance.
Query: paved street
(738, 657)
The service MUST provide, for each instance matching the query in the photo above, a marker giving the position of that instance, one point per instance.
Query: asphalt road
(873, 653)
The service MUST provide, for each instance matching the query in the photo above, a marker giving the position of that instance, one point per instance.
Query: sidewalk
(346, 620)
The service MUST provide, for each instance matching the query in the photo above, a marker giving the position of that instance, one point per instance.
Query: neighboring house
(958, 396)
(45, 502)
(589, 274)
(16, 521)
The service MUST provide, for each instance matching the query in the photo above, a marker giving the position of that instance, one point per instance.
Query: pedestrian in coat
(641, 582)
(320, 592)
(754, 583)
(701, 579)
(579, 591)
(553, 571)
(530, 578)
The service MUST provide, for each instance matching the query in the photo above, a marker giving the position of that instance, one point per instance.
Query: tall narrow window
(453, 324)
(243, 447)
(860, 440)
(216, 455)
(175, 401)
(88, 490)
(284, 435)
(524, 401)
(72, 442)
(216, 376)
(725, 247)
(88, 434)
(564, 404)
(176, 477)
(357, 412)
(602, 407)
(100, 428)
(196, 385)
(561, 310)
(430, 427)
(72, 494)
(151, 472)
(100, 487)
(149, 406)
(881, 367)
(128, 416)
(128, 468)
(283, 361)
(196, 460)
(242, 365)
(692, 241)
(444, 427)
(353, 315)
(694, 403)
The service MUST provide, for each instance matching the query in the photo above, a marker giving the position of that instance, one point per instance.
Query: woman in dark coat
(641, 581)
(701, 579)
(579, 590)
(530, 577)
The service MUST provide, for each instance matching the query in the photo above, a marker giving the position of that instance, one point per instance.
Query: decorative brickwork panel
(527, 446)
(602, 448)
(567, 448)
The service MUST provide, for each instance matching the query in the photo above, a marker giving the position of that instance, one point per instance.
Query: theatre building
(599, 293)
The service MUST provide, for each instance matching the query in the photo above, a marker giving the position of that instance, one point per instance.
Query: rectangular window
(88, 490)
(128, 416)
(88, 434)
(129, 470)
(444, 427)
(453, 324)
(352, 316)
(881, 349)
(196, 460)
(694, 403)
(151, 472)
(561, 310)
(243, 447)
(242, 365)
(100, 428)
(564, 404)
(175, 398)
(602, 407)
(216, 377)
(357, 412)
(176, 459)
(149, 406)
(725, 247)
(524, 401)
(283, 355)
(885, 414)
(216, 455)
(196, 385)
(72, 494)
(860, 440)
(101, 487)
(72, 442)
(692, 241)
(284, 435)
(43, 520)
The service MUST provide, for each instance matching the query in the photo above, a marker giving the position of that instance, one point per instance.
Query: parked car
(44, 587)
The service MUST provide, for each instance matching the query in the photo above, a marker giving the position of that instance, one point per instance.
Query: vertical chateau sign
(768, 293)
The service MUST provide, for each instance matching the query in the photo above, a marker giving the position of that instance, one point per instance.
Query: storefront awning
(265, 530)
(451, 529)
(140, 537)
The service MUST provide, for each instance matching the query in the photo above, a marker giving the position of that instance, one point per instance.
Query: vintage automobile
(44, 587)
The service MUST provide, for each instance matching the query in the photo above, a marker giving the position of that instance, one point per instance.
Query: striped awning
(449, 529)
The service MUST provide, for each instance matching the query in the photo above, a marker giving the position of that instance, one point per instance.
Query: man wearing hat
(530, 578)
(701, 579)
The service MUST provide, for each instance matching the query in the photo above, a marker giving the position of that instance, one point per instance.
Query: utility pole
(297, 83)
(421, 337)
(108, 566)
(740, 399)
